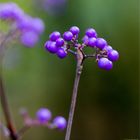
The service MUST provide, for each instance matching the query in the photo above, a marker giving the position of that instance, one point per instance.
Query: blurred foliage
(107, 107)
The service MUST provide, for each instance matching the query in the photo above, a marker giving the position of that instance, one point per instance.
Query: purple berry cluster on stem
(29, 28)
(68, 43)
(62, 45)
(44, 118)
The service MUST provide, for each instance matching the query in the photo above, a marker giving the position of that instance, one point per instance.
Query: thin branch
(22, 131)
(74, 95)
(89, 55)
(8, 37)
(72, 52)
(3, 97)
(6, 111)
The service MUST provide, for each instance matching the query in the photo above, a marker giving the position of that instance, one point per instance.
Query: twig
(22, 131)
(90, 55)
(3, 97)
(6, 111)
(79, 68)
(72, 52)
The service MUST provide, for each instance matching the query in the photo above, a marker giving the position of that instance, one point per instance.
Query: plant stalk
(6, 111)
(75, 92)
(4, 101)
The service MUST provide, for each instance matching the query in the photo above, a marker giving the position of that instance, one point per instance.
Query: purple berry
(91, 42)
(38, 25)
(85, 40)
(47, 44)
(68, 36)
(113, 55)
(91, 32)
(108, 48)
(59, 42)
(61, 53)
(25, 23)
(74, 30)
(54, 36)
(105, 64)
(29, 39)
(43, 115)
(51, 46)
(101, 43)
(28, 23)
(60, 122)
(10, 11)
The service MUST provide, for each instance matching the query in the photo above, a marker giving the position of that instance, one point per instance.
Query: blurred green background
(107, 106)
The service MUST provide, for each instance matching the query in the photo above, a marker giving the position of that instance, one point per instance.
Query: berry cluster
(29, 28)
(43, 117)
(60, 46)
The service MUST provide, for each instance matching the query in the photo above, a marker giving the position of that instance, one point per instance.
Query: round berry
(54, 36)
(61, 53)
(43, 115)
(38, 25)
(74, 30)
(59, 42)
(47, 44)
(113, 55)
(91, 42)
(60, 122)
(10, 11)
(105, 64)
(51, 46)
(91, 32)
(108, 48)
(29, 39)
(68, 36)
(101, 43)
(85, 40)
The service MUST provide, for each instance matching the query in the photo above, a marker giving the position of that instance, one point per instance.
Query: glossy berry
(61, 53)
(101, 43)
(54, 36)
(91, 42)
(74, 30)
(47, 44)
(59, 42)
(68, 36)
(70, 44)
(91, 32)
(105, 64)
(43, 115)
(108, 48)
(60, 122)
(113, 55)
(85, 40)
(51, 46)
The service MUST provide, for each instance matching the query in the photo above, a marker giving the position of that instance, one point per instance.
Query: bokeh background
(108, 102)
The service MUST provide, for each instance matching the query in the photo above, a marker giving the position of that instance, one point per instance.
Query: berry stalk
(68, 43)
(4, 101)
(79, 68)
(6, 111)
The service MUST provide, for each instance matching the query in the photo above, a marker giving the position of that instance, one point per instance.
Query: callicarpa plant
(25, 29)
(61, 46)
